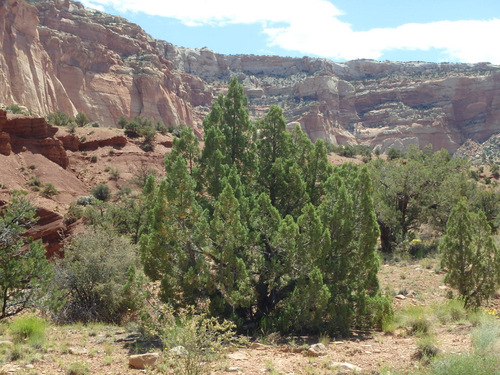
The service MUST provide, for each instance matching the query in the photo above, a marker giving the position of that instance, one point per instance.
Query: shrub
(114, 173)
(93, 159)
(34, 181)
(203, 338)
(49, 190)
(98, 277)
(14, 108)
(495, 170)
(25, 273)
(122, 121)
(132, 129)
(394, 153)
(426, 347)
(75, 212)
(101, 192)
(85, 200)
(81, 119)
(59, 118)
(77, 368)
(470, 256)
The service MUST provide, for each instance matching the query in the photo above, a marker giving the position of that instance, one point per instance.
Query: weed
(113, 172)
(77, 368)
(324, 339)
(485, 335)
(451, 311)
(203, 338)
(427, 347)
(30, 329)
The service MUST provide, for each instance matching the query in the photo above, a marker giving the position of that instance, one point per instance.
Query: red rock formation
(58, 55)
(18, 132)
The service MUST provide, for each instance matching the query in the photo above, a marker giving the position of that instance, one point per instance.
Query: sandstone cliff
(381, 104)
(58, 55)
(55, 54)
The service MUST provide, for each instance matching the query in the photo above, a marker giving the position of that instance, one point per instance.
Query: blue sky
(398, 30)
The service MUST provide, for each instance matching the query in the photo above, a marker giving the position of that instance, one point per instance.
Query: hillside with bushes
(255, 234)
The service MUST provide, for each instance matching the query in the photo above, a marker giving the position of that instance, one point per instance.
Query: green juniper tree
(260, 228)
(25, 273)
(470, 256)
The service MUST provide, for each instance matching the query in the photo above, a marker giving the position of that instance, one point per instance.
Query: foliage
(75, 212)
(85, 200)
(482, 360)
(422, 189)
(101, 192)
(97, 277)
(77, 368)
(25, 272)
(81, 119)
(470, 256)
(261, 228)
(141, 127)
(122, 121)
(59, 118)
(394, 153)
(28, 328)
(49, 190)
(203, 339)
(14, 108)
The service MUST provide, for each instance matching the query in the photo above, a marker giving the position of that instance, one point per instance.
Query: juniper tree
(469, 255)
(265, 233)
(25, 272)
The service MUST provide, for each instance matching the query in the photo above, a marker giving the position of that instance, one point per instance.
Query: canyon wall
(59, 55)
(55, 54)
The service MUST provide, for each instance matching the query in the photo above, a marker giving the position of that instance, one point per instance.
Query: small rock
(29, 366)
(238, 356)
(141, 361)
(234, 369)
(77, 351)
(9, 369)
(179, 351)
(258, 346)
(443, 287)
(316, 350)
(400, 296)
(344, 366)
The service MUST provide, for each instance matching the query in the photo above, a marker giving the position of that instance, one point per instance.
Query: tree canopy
(261, 227)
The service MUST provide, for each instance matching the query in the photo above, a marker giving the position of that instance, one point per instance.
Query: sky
(340, 30)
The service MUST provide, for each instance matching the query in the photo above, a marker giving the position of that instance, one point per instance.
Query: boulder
(317, 350)
(142, 361)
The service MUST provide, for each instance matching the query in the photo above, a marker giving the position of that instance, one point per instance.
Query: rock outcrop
(19, 133)
(380, 104)
(59, 55)
(55, 54)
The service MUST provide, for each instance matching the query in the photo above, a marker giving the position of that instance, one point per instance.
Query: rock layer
(380, 104)
(56, 54)
(19, 133)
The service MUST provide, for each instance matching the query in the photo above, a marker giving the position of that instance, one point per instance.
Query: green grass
(77, 368)
(28, 329)
(477, 364)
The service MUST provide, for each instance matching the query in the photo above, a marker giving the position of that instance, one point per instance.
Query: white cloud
(314, 27)
(90, 4)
